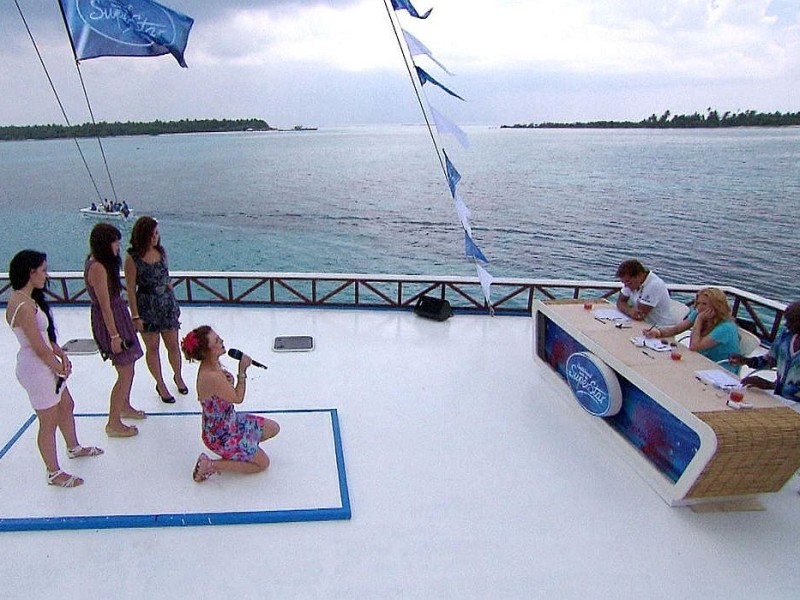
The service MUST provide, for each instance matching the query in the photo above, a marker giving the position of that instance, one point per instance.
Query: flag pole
(409, 63)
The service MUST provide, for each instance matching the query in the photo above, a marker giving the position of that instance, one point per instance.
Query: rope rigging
(64, 112)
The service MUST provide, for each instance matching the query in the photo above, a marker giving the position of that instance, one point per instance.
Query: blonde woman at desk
(714, 333)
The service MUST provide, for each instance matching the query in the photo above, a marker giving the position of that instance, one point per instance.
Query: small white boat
(98, 212)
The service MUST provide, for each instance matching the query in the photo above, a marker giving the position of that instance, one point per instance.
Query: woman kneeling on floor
(233, 436)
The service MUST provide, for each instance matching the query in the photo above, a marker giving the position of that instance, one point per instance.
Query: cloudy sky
(336, 62)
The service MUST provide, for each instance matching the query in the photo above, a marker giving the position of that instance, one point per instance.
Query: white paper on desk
(652, 343)
(610, 314)
(719, 379)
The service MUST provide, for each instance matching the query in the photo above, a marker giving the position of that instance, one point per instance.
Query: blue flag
(471, 250)
(453, 176)
(406, 5)
(125, 28)
(424, 78)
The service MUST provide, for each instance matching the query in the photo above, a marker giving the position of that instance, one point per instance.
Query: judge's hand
(737, 359)
(758, 382)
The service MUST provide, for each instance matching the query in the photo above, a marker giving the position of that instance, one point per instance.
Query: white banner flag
(486, 285)
(416, 48)
(445, 125)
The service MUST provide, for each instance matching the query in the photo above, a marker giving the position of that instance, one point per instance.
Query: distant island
(712, 119)
(103, 129)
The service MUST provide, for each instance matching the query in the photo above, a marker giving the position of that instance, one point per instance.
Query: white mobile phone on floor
(293, 343)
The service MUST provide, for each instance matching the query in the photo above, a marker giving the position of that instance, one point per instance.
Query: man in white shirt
(644, 296)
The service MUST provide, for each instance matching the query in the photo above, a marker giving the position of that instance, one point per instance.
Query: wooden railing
(398, 292)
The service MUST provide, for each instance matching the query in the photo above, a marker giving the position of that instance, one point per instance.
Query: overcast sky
(336, 62)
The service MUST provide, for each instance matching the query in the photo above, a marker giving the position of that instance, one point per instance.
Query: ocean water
(706, 206)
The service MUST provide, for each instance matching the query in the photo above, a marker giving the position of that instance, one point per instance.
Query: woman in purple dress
(154, 309)
(233, 436)
(112, 326)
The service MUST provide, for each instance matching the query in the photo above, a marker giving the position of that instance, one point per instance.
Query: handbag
(437, 309)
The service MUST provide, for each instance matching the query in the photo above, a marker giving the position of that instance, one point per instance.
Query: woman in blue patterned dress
(153, 305)
(235, 437)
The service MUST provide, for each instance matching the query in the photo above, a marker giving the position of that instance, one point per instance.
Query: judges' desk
(677, 432)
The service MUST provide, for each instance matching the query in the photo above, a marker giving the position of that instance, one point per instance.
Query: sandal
(133, 414)
(126, 431)
(203, 468)
(81, 451)
(66, 481)
(181, 390)
(169, 399)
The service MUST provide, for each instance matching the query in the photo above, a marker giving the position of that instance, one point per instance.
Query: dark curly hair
(141, 234)
(630, 268)
(19, 274)
(195, 343)
(100, 240)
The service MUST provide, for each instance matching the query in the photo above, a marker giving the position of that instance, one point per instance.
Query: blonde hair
(719, 302)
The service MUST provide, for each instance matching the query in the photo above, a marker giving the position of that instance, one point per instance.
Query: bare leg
(66, 419)
(152, 344)
(174, 355)
(46, 438)
(206, 467)
(120, 396)
(271, 429)
(259, 463)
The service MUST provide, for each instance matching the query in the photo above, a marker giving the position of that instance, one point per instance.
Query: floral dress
(232, 435)
(155, 299)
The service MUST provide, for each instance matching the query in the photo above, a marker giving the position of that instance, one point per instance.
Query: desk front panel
(667, 442)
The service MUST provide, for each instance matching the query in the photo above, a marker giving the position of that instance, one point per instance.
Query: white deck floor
(470, 475)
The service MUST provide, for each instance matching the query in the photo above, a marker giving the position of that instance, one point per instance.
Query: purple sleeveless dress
(122, 319)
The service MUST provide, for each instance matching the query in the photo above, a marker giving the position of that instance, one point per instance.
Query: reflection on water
(698, 206)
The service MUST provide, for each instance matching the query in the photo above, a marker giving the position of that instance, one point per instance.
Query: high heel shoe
(181, 390)
(170, 399)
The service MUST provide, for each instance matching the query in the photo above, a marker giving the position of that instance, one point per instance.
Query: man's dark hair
(630, 268)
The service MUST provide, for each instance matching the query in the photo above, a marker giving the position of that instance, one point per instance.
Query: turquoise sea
(707, 206)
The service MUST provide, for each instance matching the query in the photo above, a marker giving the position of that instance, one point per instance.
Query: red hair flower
(190, 343)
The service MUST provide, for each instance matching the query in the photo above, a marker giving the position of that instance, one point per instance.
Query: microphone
(237, 354)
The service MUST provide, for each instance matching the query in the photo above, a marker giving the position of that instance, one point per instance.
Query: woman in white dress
(42, 366)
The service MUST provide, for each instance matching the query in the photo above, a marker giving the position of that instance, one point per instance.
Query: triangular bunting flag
(406, 5)
(486, 285)
(416, 48)
(445, 125)
(453, 176)
(463, 213)
(472, 250)
(425, 78)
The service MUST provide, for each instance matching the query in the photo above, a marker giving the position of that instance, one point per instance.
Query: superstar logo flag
(125, 28)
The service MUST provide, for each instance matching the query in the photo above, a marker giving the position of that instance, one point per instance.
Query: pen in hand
(648, 330)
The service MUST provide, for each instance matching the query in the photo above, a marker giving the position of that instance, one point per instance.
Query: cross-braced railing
(398, 292)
